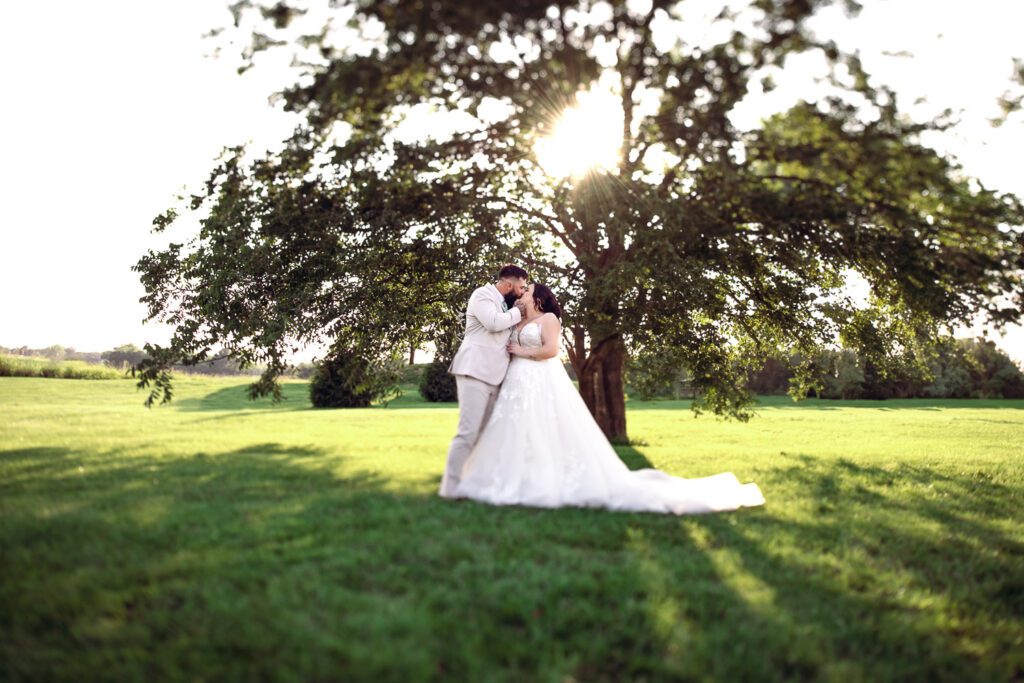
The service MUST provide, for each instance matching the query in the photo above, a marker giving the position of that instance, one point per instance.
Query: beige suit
(479, 367)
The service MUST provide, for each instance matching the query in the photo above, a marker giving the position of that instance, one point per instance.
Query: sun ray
(586, 136)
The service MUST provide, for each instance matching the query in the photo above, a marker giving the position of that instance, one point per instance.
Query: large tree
(703, 245)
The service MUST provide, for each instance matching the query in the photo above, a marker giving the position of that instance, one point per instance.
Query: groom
(479, 365)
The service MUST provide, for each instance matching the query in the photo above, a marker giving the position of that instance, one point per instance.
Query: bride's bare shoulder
(550, 320)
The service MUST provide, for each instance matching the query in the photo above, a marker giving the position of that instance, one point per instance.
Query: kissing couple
(525, 435)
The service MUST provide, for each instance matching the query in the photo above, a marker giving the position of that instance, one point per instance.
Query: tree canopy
(703, 245)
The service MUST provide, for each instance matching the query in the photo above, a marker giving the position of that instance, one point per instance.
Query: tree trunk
(603, 390)
(412, 354)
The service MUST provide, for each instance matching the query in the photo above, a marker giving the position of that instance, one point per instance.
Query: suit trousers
(476, 401)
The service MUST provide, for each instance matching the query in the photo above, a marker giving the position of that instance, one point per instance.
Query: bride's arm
(550, 333)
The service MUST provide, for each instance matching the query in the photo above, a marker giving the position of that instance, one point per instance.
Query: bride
(541, 447)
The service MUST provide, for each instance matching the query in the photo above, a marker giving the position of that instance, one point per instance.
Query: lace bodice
(529, 335)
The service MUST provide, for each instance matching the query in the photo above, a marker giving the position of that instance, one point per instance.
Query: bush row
(27, 367)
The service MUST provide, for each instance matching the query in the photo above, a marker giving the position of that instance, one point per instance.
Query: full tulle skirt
(542, 448)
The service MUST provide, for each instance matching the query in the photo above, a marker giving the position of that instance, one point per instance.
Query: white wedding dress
(542, 448)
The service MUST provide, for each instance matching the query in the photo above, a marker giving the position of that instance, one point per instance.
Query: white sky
(111, 108)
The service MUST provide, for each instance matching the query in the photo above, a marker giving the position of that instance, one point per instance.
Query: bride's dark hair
(544, 299)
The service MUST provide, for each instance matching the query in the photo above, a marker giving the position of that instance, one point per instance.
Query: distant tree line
(961, 368)
(124, 356)
(54, 353)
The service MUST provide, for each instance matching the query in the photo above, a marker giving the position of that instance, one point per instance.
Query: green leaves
(735, 247)
(353, 378)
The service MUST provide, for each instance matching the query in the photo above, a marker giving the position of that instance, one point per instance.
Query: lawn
(217, 539)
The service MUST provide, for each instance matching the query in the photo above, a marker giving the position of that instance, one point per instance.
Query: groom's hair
(512, 271)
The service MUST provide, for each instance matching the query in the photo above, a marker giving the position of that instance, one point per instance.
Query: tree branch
(552, 221)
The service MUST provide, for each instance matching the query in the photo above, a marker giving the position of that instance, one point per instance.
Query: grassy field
(217, 539)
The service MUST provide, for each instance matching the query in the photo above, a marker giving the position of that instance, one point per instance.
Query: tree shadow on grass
(235, 397)
(272, 561)
(633, 458)
(296, 397)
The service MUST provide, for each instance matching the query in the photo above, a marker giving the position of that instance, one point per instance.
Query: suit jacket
(482, 353)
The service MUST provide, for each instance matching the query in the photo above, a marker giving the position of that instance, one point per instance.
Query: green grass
(217, 539)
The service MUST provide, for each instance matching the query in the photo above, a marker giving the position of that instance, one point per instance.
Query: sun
(585, 137)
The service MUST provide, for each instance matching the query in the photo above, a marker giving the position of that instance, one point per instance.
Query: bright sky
(111, 109)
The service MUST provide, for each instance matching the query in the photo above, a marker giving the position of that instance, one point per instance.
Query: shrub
(436, 385)
(348, 380)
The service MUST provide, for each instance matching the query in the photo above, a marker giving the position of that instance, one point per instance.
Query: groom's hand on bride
(521, 305)
(514, 349)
